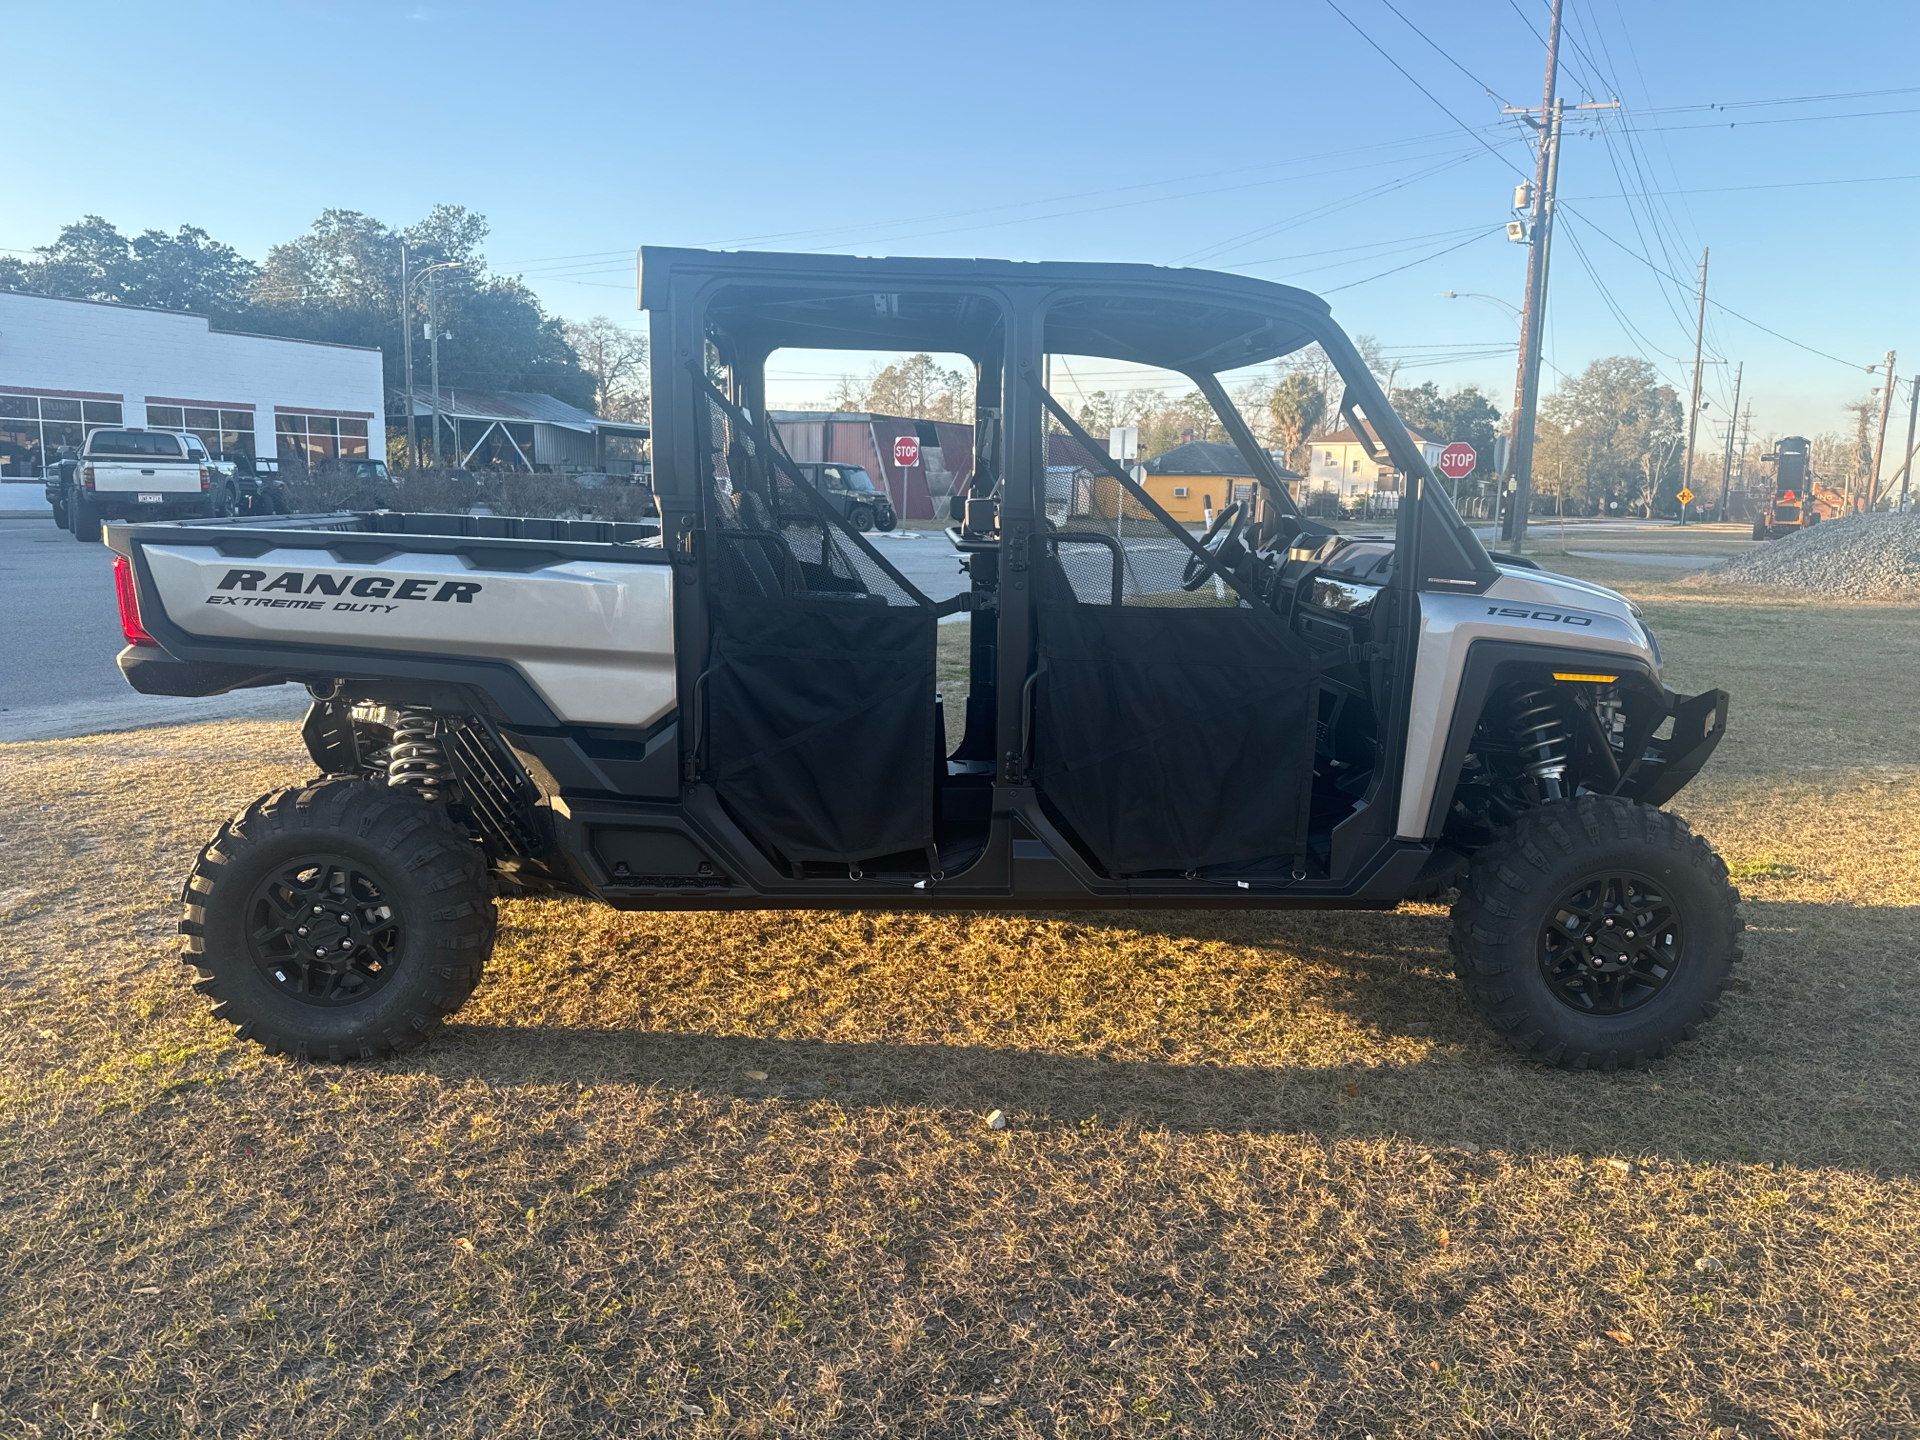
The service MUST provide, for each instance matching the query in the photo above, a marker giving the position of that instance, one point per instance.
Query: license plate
(148, 497)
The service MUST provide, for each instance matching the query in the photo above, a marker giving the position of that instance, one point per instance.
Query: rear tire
(1538, 933)
(85, 518)
(860, 517)
(403, 924)
(60, 517)
(1759, 529)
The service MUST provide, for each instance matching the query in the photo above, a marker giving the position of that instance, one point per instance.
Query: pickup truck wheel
(84, 518)
(60, 514)
(339, 921)
(1596, 933)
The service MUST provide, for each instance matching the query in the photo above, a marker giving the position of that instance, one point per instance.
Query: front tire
(1596, 933)
(339, 921)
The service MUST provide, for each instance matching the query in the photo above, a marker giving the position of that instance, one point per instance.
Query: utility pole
(1913, 414)
(1733, 424)
(406, 351)
(1693, 414)
(433, 343)
(1526, 382)
(1880, 441)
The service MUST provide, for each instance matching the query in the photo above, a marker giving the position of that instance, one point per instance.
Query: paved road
(59, 632)
(60, 629)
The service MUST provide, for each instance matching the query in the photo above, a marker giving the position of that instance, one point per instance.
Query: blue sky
(1271, 139)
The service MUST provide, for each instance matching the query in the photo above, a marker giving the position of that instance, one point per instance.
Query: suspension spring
(416, 758)
(1540, 732)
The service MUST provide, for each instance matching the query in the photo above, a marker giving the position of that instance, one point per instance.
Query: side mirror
(956, 507)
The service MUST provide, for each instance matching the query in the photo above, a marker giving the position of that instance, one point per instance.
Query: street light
(407, 285)
(1481, 295)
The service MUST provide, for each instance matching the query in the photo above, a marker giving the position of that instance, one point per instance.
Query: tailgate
(159, 477)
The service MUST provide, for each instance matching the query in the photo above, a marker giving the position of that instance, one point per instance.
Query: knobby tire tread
(424, 845)
(1496, 919)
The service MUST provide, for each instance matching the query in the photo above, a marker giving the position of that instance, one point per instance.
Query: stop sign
(906, 451)
(1457, 460)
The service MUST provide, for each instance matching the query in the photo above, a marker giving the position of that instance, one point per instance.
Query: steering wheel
(1220, 542)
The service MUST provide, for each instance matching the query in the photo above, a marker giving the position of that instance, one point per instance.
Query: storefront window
(230, 431)
(310, 439)
(34, 427)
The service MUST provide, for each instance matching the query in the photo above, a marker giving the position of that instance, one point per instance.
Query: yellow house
(1198, 476)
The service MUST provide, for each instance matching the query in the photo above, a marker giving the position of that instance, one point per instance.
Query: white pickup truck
(135, 474)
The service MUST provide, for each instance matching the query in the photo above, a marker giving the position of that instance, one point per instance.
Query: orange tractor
(1797, 499)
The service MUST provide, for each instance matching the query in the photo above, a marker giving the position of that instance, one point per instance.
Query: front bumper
(1665, 766)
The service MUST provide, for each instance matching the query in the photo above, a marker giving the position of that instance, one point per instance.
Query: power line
(1771, 185)
(1717, 304)
(1444, 55)
(1294, 222)
(1421, 261)
(1778, 120)
(1424, 91)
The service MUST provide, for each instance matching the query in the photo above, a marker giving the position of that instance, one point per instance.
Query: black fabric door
(1174, 738)
(821, 716)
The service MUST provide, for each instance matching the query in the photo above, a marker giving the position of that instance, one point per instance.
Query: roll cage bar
(1003, 315)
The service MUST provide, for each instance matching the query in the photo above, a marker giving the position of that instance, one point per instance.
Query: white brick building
(71, 366)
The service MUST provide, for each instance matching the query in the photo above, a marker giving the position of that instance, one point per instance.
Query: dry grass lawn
(1264, 1175)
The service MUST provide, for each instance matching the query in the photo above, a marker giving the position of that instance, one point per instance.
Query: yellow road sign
(1685, 497)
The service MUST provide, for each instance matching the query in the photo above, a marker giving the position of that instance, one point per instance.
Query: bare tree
(616, 358)
(918, 386)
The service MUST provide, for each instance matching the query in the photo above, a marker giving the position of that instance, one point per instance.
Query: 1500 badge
(1555, 617)
(288, 589)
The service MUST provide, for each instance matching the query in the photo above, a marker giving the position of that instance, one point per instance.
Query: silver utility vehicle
(739, 708)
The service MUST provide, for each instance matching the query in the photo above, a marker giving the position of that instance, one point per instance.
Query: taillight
(86, 476)
(206, 477)
(130, 625)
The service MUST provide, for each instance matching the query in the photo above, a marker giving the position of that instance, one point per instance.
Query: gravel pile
(1863, 557)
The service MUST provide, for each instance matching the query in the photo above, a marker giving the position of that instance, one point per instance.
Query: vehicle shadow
(1805, 1064)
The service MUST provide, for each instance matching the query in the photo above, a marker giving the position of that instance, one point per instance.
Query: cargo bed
(554, 622)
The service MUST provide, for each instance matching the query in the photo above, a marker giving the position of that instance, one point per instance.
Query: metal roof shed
(523, 430)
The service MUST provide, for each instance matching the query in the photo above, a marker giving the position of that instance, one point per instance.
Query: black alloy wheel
(1596, 933)
(860, 517)
(323, 929)
(1612, 944)
(341, 920)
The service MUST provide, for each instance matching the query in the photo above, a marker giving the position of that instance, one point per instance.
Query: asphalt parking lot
(60, 629)
(59, 632)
